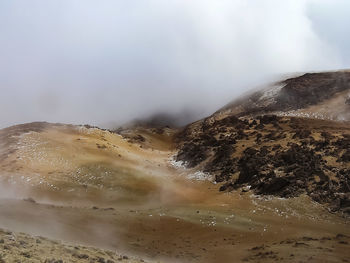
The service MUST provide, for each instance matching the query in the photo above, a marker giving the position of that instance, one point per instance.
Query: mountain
(312, 95)
(162, 119)
(279, 141)
(271, 155)
(260, 180)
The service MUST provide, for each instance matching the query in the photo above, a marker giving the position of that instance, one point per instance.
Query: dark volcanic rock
(347, 101)
(345, 157)
(273, 186)
(268, 119)
(273, 155)
(192, 153)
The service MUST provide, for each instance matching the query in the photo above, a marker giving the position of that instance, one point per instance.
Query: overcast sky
(109, 61)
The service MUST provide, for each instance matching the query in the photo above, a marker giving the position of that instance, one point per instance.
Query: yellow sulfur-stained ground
(96, 188)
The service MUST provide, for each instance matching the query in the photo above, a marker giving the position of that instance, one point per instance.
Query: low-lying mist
(109, 62)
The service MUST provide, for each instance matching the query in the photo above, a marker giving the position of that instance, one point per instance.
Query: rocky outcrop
(279, 156)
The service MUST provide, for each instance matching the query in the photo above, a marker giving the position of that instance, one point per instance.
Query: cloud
(83, 61)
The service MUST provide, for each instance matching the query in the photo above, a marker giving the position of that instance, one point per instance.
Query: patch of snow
(200, 176)
(269, 95)
(296, 113)
(177, 164)
(271, 92)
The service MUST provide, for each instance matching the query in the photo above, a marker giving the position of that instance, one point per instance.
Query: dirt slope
(315, 95)
(125, 193)
(21, 247)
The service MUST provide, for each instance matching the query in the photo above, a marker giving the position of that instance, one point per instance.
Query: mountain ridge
(299, 94)
(253, 142)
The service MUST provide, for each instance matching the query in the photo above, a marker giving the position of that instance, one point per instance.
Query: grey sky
(104, 62)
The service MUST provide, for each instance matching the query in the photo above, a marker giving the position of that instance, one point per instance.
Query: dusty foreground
(93, 188)
(20, 247)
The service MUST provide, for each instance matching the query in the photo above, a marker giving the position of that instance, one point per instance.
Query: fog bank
(108, 62)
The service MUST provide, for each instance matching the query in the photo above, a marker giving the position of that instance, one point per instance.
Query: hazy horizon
(108, 62)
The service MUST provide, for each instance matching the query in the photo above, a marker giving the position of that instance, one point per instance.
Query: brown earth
(21, 247)
(247, 185)
(124, 193)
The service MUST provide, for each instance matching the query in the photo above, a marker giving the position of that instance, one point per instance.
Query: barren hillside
(126, 193)
(240, 184)
(312, 95)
